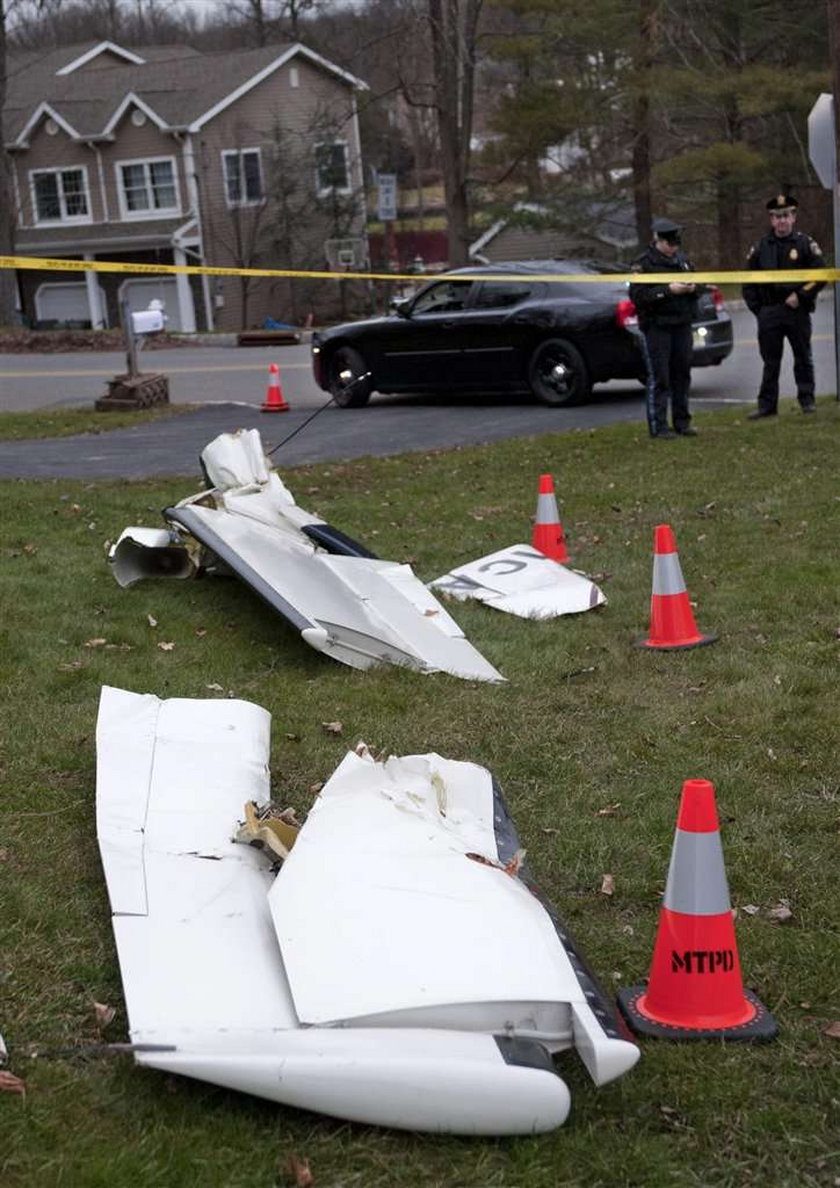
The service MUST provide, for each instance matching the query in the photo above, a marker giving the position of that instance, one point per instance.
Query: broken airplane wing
(399, 970)
(345, 602)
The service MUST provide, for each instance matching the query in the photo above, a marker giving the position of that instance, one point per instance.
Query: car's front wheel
(350, 381)
(557, 374)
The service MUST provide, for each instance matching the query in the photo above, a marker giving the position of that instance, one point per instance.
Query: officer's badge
(793, 254)
(780, 200)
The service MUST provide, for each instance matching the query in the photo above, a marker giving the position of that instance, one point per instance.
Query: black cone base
(761, 1028)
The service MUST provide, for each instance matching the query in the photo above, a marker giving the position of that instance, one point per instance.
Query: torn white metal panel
(408, 854)
(204, 964)
(522, 581)
(197, 951)
(149, 552)
(345, 602)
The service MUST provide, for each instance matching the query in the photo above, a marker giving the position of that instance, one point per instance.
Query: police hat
(782, 202)
(666, 229)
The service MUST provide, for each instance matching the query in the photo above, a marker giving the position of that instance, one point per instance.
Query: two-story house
(164, 155)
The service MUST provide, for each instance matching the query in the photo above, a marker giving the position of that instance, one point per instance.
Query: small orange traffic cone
(695, 989)
(274, 401)
(671, 617)
(548, 531)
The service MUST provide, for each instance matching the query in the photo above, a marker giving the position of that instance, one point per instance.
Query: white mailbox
(147, 321)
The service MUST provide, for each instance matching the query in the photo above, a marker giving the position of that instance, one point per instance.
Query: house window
(332, 168)
(243, 176)
(148, 188)
(60, 195)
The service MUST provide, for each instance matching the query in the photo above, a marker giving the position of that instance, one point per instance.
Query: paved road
(230, 385)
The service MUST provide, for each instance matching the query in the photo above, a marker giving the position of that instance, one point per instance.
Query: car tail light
(625, 314)
(717, 297)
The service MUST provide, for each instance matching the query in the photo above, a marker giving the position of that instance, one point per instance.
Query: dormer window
(60, 195)
(148, 189)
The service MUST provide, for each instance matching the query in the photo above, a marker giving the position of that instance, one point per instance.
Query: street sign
(822, 141)
(386, 202)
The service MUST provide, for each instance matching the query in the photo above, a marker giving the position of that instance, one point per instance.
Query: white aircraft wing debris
(522, 581)
(399, 970)
(345, 602)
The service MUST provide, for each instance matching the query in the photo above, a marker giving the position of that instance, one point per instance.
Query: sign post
(386, 209)
(822, 149)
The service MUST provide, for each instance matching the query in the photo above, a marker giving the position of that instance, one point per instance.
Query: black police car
(504, 329)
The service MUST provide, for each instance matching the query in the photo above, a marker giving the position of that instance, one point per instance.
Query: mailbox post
(135, 389)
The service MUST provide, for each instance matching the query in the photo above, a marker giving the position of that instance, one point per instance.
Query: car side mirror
(400, 306)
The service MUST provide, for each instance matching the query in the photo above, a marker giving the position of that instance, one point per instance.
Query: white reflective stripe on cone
(667, 575)
(697, 883)
(547, 512)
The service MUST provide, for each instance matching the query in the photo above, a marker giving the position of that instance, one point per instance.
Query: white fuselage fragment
(358, 609)
(521, 581)
(384, 976)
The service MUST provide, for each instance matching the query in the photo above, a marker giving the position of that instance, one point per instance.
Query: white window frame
(37, 221)
(325, 191)
(239, 153)
(159, 212)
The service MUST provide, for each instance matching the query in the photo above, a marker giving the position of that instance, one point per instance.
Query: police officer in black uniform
(783, 310)
(666, 312)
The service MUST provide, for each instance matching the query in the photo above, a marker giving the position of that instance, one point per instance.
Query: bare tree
(454, 28)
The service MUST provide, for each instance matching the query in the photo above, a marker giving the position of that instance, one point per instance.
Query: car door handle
(448, 325)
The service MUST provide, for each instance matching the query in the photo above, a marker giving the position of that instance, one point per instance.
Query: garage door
(141, 292)
(64, 302)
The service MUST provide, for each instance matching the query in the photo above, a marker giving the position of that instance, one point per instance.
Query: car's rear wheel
(347, 387)
(557, 374)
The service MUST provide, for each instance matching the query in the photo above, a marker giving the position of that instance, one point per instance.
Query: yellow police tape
(49, 265)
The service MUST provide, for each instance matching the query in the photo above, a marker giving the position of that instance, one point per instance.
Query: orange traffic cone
(548, 531)
(671, 617)
(274, 401)
(695, 989)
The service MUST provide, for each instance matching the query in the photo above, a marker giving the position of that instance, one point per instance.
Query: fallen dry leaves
(608, 885)
(298, 1172)
(9, 1083)
(151, 620)
(780, 914)
(166, 645)
(99, 642)
(833, 1030)
(103, 1013)
(609, 810)
(333, 727)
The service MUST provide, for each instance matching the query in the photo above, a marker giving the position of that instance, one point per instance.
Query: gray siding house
(166, 155)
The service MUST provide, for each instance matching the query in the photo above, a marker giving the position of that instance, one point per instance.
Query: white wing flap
(390, 856)
(198, 954)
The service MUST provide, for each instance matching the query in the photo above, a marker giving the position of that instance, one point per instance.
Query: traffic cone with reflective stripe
(274, 401)
(695, 989)
(671, 617)
(548, 531)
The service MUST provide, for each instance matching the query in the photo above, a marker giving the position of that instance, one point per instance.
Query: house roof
(182, 87)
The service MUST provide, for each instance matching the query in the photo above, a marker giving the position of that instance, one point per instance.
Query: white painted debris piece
(522, 581)
(345, 602)
(394, 971)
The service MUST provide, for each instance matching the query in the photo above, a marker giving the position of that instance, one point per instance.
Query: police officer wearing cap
(666, 312)
(783, 310)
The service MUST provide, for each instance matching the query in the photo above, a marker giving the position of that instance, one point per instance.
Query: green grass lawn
(586, 720)
(65, 422)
